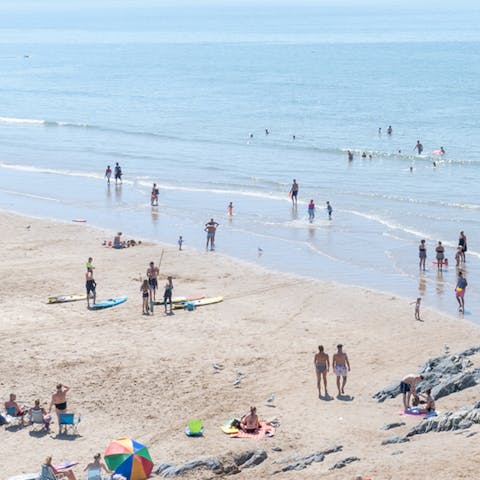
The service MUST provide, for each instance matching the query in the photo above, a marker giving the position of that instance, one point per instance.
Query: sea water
(183, 97)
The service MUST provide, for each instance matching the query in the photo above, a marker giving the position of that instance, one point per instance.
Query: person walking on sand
(145, 289)
(91, 286)
(460, 291)
(59, 400)
(341, 367)
(118, 173)
(322, 367)
(440, 255)
(230, 209)
(152, 274)
(294, 192)
(211, 228)
(417, 308)
(311, 211)
(462, 242)
(108, 174)
(329, 210)
(408, 385)
(422, 255)
(167, 294)
(418, 147)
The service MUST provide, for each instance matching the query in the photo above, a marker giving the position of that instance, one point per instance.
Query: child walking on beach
(417, 308)
(145, 289)
(329, 210)
(311, 211)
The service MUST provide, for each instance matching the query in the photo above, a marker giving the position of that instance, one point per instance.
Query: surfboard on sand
(181, 299)
(199, 303)
(66, 298)
(111, 302)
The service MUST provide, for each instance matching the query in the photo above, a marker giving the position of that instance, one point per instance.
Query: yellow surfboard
(66, 298)
(200, 303)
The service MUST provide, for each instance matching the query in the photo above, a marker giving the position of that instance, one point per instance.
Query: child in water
(329, 210)
(311, 211)
(180, 242)
(230, 208)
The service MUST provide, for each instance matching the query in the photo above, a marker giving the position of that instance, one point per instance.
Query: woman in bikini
(322, 366)
(422, 254)
(250, 423)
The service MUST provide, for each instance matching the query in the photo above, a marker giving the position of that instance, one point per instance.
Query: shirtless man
(322, 366)
(211, 228)
(418, 147)
(152, 274)
(408, 385)
(91, 286)
(294, 192)
(250, 422)
(59, 399)
(341, 366)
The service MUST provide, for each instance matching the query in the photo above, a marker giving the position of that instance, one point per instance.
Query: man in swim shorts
(341, 366)
(59, 399)
(152, 274)
(118, 173)
(322, 366)
(294, 192)
(408, 385)
(211, 228)
(91, 286)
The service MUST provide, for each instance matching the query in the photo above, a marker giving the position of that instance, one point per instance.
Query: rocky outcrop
(396, 439)
(300, 463)
(445, 374)
(226, 466)
(343, 463)
(458, 420)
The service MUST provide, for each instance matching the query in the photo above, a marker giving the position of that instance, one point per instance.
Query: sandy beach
(145, 376)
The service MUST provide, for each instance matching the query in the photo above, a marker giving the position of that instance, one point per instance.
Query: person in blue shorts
(322, 367)
(294, 192)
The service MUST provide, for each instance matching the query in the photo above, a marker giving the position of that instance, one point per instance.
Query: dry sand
(144, 376)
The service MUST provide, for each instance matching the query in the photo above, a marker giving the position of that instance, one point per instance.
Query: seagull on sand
(217, 368)
(271, 398)
(237, 382)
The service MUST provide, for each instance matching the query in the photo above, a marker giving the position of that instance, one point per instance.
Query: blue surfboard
(111, 302)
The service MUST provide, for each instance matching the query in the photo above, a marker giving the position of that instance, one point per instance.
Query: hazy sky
(383, 4)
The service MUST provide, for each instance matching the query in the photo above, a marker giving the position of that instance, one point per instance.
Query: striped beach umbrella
(129, 458)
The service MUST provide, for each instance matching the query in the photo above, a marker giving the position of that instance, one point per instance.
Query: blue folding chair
(69, 421)
(12, 416)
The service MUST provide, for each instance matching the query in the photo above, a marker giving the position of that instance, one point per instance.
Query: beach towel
(264, 431)
(415, 412)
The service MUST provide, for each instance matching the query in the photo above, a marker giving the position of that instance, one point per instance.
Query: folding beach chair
(47, 474)
(36, 420)
(94, 474)
(12, 416)
(69, 421)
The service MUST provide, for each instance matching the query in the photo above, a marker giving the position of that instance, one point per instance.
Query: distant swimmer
(211, 229)
(311, 211)
(251, 135)
(364, 155)
(329, 210)
(266, 131)
(434, 163)
(370, 156)
(108, 174)
(389, 130)
(294, 192)
(293, 137)
(418, 147)
(118, 173)
(411, 168)
(379, 130)
(442, 151)
(230, 208)
(350, 155)
(154, 196)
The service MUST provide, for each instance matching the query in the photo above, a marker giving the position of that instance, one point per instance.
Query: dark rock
(343, 463)
(258, 457)
(389, 426)
(397, 452)
(207, 463)
(396, 439)
(276, 449)
(163, 466)
(454, 383)
(388, 392)
(471, 434)
(458, 420)
(300, 463)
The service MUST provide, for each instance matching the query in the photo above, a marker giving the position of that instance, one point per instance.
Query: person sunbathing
(46, 417)
(249, 422)
(429, 401)
(49, 471)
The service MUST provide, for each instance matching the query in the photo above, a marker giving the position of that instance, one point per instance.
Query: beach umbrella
(129, 458)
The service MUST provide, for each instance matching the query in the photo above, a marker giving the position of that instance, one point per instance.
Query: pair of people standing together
(340, 365)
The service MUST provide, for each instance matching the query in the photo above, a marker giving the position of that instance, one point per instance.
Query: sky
(383, 4)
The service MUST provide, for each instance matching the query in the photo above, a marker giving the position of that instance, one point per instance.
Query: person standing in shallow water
(294, 192)
(462, 242)
(311, 211)
(440, 255)
(422, 255)
(418, 147)
(460, 291)
(322, 367)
